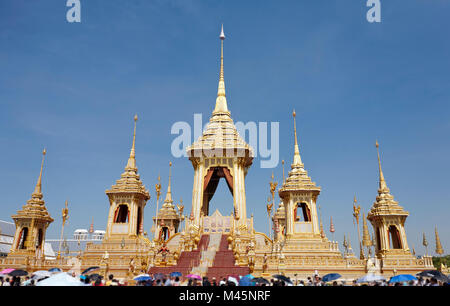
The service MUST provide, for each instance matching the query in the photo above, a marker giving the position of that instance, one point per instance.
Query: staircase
(207, 255)
(223, 265)
(186, 261)
(212, 259)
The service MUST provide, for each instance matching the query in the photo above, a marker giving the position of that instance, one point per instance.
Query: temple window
(302, 209)
(23, 238)
(394, 235)
(121, 215)
(39, 238)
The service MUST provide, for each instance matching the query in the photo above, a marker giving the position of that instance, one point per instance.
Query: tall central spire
(297, 158)
(169, 190)
(131, 165)
(383, 184)
(221, 101)
(38, 189)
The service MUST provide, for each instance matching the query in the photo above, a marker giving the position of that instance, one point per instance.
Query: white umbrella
(370, 278)
(60, 279)
(37, 275)
(232, 279)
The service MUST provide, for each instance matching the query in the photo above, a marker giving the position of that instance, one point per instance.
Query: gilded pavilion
(213, 244)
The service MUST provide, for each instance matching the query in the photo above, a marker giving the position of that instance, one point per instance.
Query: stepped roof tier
(298, 179)
(385, 203)
(130, 181)
(35, 207)
(167, 210)
(221, 134)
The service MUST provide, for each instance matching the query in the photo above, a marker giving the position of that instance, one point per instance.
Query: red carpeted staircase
(186, 261)
(223, 265)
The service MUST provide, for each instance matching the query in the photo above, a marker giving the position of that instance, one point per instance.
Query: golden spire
(382, 181)
(367, 242)
(37, 193)
(132, 160)
(221, 101)
(297, 158)
(169, 192)
(439, 249)
(282, 163)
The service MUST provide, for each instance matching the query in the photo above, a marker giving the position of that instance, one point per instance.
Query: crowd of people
(167, 280)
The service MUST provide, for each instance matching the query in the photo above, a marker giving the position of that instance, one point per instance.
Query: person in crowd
(176, 281)
(6, 282)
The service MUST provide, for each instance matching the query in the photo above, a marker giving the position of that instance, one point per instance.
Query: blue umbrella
(402, 278)
(331, 277)
(176, 274)
(142, 278)
(52, 270)
(246, 281)
(249, 276)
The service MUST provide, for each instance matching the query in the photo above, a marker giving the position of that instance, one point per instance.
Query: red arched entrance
(210, 183)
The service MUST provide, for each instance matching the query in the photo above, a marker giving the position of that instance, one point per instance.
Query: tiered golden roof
(130, 181)
(385, 203)
(298, 179)
(35, 207)
(167, 210)
(221, 133)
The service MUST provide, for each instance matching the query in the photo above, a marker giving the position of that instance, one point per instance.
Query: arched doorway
(302, 213)
(122, 214)
(22, 238)
(139, 221)
(394, 238)
(211, 182)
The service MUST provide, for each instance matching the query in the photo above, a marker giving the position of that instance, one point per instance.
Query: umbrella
(195, 276)
(436, 274)
(176, 274)
(38, 275)
(18, 273)
(331, 277)
(90, 269)
(7, 271)
(260, 280)
(95, 276)
(142, 278)
(233, 280)
(246, 281)
(60, 279)
(249, 276)
(55, 270)
(370, 278)
(283, 278)
(402, 278)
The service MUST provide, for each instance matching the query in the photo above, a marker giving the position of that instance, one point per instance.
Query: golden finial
(158, 187)
(169, 191)
(382, 181)
(221, 101)
(439, 249)
(38, 189)
(132, 160)
(282, 163)
(65, 213)
(297, 158)
(425, 242)
(273, 187)
(332, 230)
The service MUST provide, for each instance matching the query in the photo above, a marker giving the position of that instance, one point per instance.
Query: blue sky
(74, 89)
